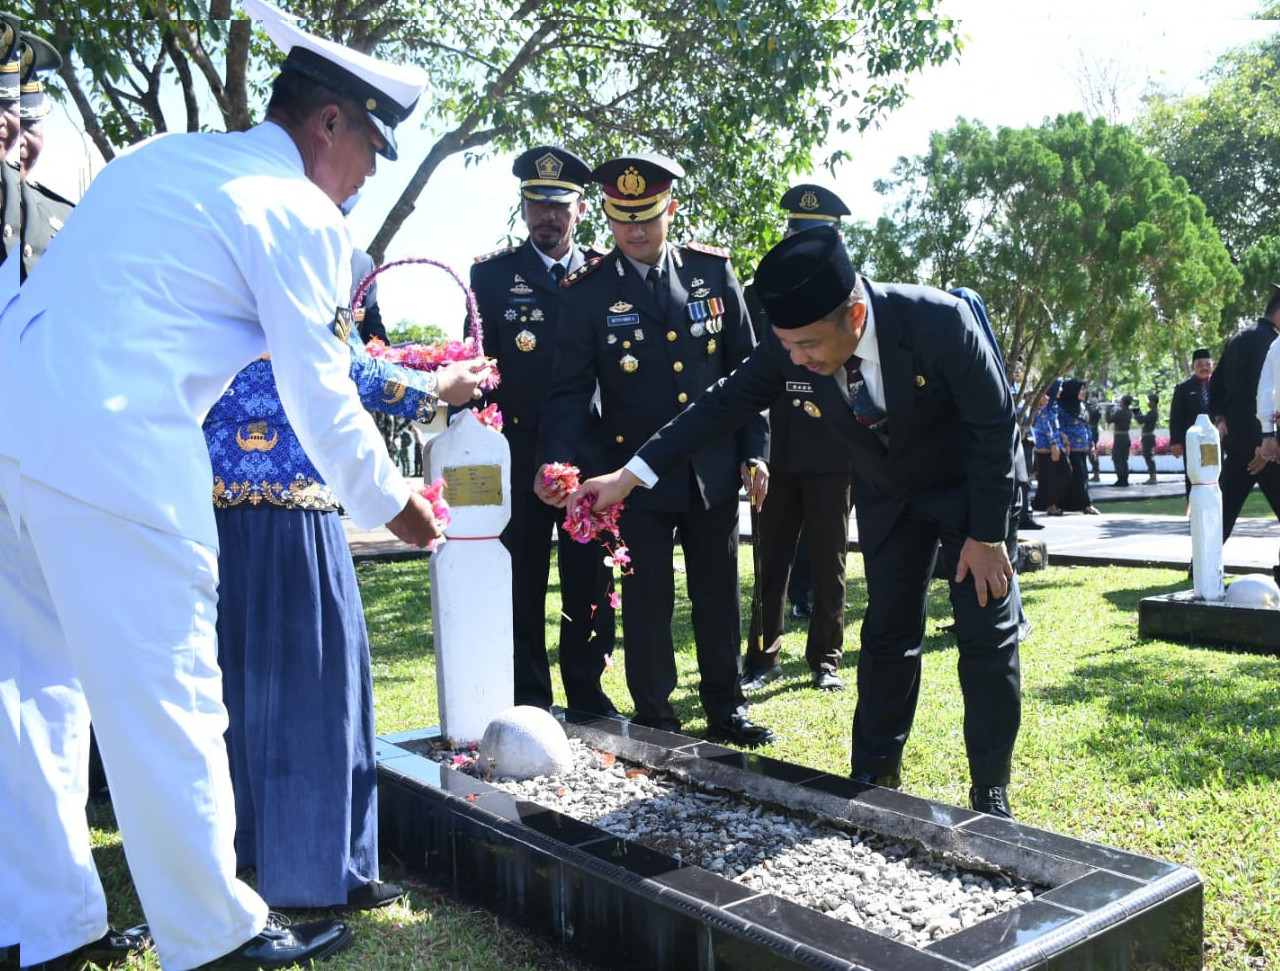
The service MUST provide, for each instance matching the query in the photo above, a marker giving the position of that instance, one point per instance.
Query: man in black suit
(906, 375)
(806, 514)
(1233, 401)
(519, 298)
(652, 325)
(1190, 400)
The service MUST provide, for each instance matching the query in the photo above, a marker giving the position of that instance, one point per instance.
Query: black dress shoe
(801, 611)
(740, 730)
(110, 948)
(891, 780)
(374, 894)
(1029, 524)
(753, 679)
(280, 945)
(992, 800)
(827, 681)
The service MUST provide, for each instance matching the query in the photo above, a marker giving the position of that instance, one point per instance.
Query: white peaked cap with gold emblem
(387, 92)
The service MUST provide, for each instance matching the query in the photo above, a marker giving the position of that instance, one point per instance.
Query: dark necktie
(654, 279)
(557, 272)
(864, 409)
(1204, 394)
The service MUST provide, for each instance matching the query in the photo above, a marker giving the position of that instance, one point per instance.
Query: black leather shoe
(992, 800)
(374, 894)
(802, 611)
(1029, 524)
(827, 681)
(740, 730)
(753, 679)
(889, 781)
(110, 948)
(280, 945)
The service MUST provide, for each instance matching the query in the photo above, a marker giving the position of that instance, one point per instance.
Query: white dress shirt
(1269, 388)
(191, 256)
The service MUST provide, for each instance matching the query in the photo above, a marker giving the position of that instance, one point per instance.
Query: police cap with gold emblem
(810, 205)
(10, 57)
(37, 55)
(387, 92)
(637, 187)
(805, 277)
(549, 173)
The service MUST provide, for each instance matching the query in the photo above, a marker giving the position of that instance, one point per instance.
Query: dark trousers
(709, 539)
(1149, 453)
(1120, 457)
(1237, 483)
(898, 574)
(1051, 480)
(800, 585)
(820, 505)
(586, 619)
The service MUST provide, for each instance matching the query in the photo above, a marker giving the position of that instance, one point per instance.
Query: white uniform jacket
(190, 256)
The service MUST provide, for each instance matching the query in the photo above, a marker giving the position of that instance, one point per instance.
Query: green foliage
(407, 332)
(1085, 249)
(1226, 144)
(743, 92)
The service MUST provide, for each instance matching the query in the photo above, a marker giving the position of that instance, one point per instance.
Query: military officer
(44, 211)
(807, 510)
(652, 325)
(10, 131)
(518, 295)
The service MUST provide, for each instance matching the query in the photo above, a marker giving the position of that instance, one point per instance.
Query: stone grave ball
(524, 742)
(1254, 590)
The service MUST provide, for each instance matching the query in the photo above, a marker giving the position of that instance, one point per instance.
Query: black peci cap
(805, 277)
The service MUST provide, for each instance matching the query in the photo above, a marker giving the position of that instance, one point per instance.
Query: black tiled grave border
(1181, 617)
(621, 905)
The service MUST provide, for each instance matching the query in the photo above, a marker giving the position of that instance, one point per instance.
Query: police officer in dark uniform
(806, 514)
(10, 132)
(519, 300)
(44, 211)
(653, 325)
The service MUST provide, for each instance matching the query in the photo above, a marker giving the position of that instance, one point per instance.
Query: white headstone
(471, 578)
(1204, 464)
(524, 742)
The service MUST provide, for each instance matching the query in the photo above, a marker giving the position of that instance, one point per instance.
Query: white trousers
(116, 618)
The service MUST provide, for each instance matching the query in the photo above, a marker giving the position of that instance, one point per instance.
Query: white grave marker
(1204, 465)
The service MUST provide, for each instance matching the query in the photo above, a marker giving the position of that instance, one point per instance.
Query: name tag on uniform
(799, 387)
(622, 320)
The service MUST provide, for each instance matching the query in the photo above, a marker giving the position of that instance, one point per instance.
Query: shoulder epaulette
(48, 193)
(720, 251)
(586, 269)
(494, 255)
(593, 252)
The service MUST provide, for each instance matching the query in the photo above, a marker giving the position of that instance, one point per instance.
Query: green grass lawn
(1255, 507)
(1145, 745)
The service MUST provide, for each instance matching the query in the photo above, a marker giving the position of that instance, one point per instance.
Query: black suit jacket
(519, 307)
(650, 367)
(1184, 410)
(951, 417)
(1233, 388)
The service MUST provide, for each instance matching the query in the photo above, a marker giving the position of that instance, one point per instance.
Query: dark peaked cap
(37, 55)
(637, 187)
(805, 277)
(809, 201)
(10, 56)
(549, 173)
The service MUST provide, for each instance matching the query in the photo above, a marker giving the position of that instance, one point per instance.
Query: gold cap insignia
(549, 167)
(631, 182)
(809, 201)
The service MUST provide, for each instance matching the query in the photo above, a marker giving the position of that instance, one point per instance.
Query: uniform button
(27, 251)
(678, 366)
(626, 345)
(795, 402)
(515, 420)
(8, 230)
(682, 397)
(671, 334)
(618, 439)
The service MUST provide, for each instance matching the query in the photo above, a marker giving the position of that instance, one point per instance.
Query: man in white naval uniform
(189, 256)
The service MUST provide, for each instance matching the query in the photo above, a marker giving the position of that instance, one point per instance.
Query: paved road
(1073, 539)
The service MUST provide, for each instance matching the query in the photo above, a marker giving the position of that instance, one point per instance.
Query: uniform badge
(55, 223)
(621, 320)
(618, 264)
(809, 201)
(628, 364)
(919, 380)
(715, 325)
(812, 410)
(621, 307)
(611, 339)
(548, 166)
(639, 334)
(519, 279)
(701, 292)
(536, 315)
(799, 387)
(344, 322)
(711, 346)
(511, 315)
(393, 391)
(631, 182)
(526, 340)
(697, 328)
(521, 288)
(697, 281)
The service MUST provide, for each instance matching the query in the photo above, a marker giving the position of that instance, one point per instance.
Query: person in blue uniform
(519, 298)
(651, 325)
(1074, 426)
(805, 517)
(907, 377)
(292, 642)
